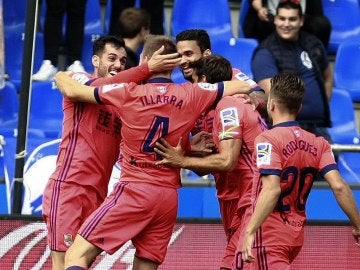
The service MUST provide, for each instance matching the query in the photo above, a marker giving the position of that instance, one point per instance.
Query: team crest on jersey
(207, 86)
(263, 153)
(161, 89)
(109, 87)
(68, 239)
(229, 117)
(80, 77)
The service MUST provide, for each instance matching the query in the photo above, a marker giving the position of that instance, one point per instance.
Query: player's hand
(202, 143)
(356, 235)
(248, 99)
(247, 248)
(172, 156)
(160, 62)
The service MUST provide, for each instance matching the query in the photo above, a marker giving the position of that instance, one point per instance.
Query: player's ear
(202, 78)
(95, 61)
(207, 52)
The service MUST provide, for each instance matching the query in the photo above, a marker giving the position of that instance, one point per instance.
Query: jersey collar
(287, 124)
(159, 80)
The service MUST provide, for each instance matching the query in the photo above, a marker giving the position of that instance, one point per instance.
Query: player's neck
(166, 75)
(281, 118)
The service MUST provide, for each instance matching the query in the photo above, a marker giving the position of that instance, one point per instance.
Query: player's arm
(156, 63)
(225, 160)
(345, 199)
(73, 89)
(265, 204)
(236, 87)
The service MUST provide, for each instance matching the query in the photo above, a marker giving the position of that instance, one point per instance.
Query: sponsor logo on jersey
(263, 153)
(243, 77)
(229, 117)
(208, 86)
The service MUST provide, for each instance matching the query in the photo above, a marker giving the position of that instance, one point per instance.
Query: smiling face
(288, 23)
(111, 61)
(189, 52)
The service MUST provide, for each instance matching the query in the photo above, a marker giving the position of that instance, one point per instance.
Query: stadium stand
(344, 16)
(46, 116)
(212, 16)
(347, 68)
(238, 51)
(343, 130)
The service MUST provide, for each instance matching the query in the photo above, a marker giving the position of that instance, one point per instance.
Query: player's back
(157, 109)
(296, 156)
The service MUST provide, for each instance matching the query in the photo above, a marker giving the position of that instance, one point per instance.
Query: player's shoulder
(82, 77)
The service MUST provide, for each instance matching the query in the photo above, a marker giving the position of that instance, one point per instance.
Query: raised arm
(156, 63)
(236, 87)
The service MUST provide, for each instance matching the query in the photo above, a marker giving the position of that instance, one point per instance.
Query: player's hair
(288, 90)
(99, 44)
(131, 20)
(154, 42)
(215, 67)
(199, 35)
(290, 4)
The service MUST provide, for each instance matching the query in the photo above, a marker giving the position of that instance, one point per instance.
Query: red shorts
(141, 212)
(65, 207)
(231, 223)
(270, 258)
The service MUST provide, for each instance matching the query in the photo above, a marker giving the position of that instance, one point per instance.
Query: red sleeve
(135, 74)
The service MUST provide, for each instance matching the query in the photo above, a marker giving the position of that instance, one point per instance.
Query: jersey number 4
(159, 128)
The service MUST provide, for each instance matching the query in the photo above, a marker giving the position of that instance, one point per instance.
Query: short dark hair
(215, 67)
(288, 90)
(201, 37)
(99, 43)
(131, 20)
(154, 42)
(290, 4)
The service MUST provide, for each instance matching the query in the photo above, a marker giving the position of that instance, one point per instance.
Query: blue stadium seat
(343, 130)
(347, 68)
(14, 47)
(9, 103)
(344, 16)
(212, 16)
(238, 51)
(46, 109)
(86, 57)
(349, 166)
(244, 7)
(14, 13)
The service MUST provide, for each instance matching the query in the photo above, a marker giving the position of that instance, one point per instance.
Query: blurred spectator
(133, 27)
(259, 21)
(53, 36)
(154, 7)
(288, 49)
